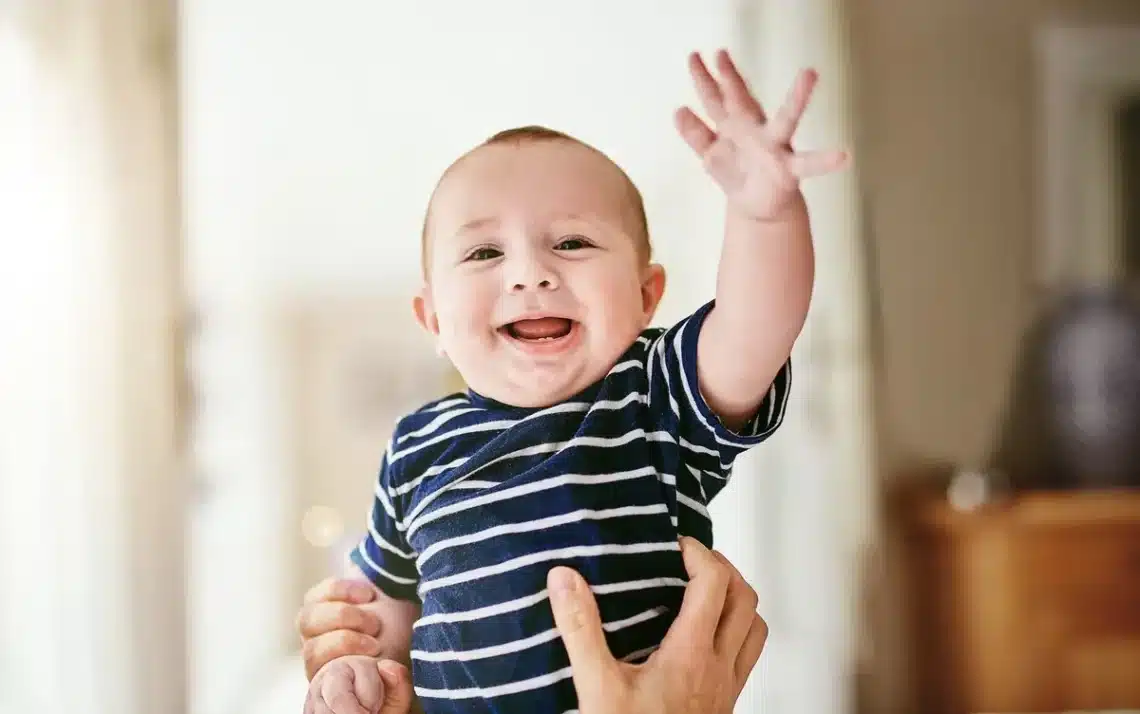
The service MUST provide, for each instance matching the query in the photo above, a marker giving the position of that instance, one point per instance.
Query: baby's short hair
(534, 133)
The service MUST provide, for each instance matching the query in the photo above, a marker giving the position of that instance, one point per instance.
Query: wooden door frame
(160, 572)
(144, 134)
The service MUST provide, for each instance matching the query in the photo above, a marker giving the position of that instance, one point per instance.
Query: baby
(587, 438)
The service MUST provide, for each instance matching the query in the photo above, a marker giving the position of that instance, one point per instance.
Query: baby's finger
(783, 125)
(367, 683)
(737, 96)
(318, 618)
(708, 91)
(694, 131)
(809, 164)
(398, 693)
(339, 692)
(319, 706)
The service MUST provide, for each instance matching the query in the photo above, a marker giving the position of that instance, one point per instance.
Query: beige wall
(947, 97)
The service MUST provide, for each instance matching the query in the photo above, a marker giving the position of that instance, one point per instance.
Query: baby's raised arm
(767, 264)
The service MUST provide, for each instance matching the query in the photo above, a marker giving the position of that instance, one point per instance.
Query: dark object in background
(1073, 419)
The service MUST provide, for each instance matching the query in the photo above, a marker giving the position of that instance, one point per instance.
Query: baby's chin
(538, 396)
(539, 391)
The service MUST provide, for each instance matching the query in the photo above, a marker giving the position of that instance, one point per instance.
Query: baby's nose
(542, 284)
(533, 275)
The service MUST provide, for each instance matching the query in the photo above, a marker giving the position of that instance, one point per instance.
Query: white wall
(314, 134)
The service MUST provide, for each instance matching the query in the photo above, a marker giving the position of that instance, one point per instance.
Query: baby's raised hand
(748, 153)
(360, 685)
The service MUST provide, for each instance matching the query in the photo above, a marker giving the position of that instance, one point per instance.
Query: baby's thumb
(578, 622)
(397, 687)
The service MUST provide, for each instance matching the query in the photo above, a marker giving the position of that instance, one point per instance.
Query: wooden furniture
(1032, 605)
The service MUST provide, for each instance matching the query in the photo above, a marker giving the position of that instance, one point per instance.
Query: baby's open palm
(749, 154)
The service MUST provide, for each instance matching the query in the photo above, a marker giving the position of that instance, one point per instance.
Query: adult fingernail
(562, 583)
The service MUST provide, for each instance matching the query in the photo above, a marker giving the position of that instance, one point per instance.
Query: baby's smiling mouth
(542, 329)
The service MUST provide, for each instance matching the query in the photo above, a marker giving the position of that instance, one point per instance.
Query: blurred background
(209, 219)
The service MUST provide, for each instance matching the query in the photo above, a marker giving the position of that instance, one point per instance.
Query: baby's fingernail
(387, 666)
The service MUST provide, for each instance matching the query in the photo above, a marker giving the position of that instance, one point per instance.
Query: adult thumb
(398, 693)
(578, 622)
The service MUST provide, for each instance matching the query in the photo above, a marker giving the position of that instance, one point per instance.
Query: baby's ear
(652, 288)
(425, 311)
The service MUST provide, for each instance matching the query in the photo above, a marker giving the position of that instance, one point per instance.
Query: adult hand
(703, 662)
(337, 620)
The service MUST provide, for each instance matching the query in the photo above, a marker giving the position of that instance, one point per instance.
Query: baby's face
(536, 280)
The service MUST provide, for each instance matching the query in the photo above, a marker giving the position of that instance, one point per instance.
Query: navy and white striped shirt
(477, 500)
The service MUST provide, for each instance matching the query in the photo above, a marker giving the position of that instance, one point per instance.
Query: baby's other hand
(360, 685)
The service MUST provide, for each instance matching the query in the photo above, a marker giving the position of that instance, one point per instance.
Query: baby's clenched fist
(359, 685)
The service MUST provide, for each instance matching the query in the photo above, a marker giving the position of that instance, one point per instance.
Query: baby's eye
(484, 254)
(572, 243)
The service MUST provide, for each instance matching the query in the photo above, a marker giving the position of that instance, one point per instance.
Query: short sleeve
(384, 554)
(709, 447)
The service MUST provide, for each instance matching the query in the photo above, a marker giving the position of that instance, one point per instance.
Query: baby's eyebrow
(594, 224)
(476, 224)
(580, 219)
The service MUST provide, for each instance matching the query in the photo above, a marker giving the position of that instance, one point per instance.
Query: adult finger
(708, 91)
(738, 96)
(398, 692)
(318, 618)
(338, 692)
(319, 651)
(694, 131)
(783, 125)
(341, 590)
(739, 611)
(580, 625)
(750, 651)
(703, 602)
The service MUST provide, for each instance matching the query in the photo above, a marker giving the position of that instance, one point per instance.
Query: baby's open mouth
(540, 329)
